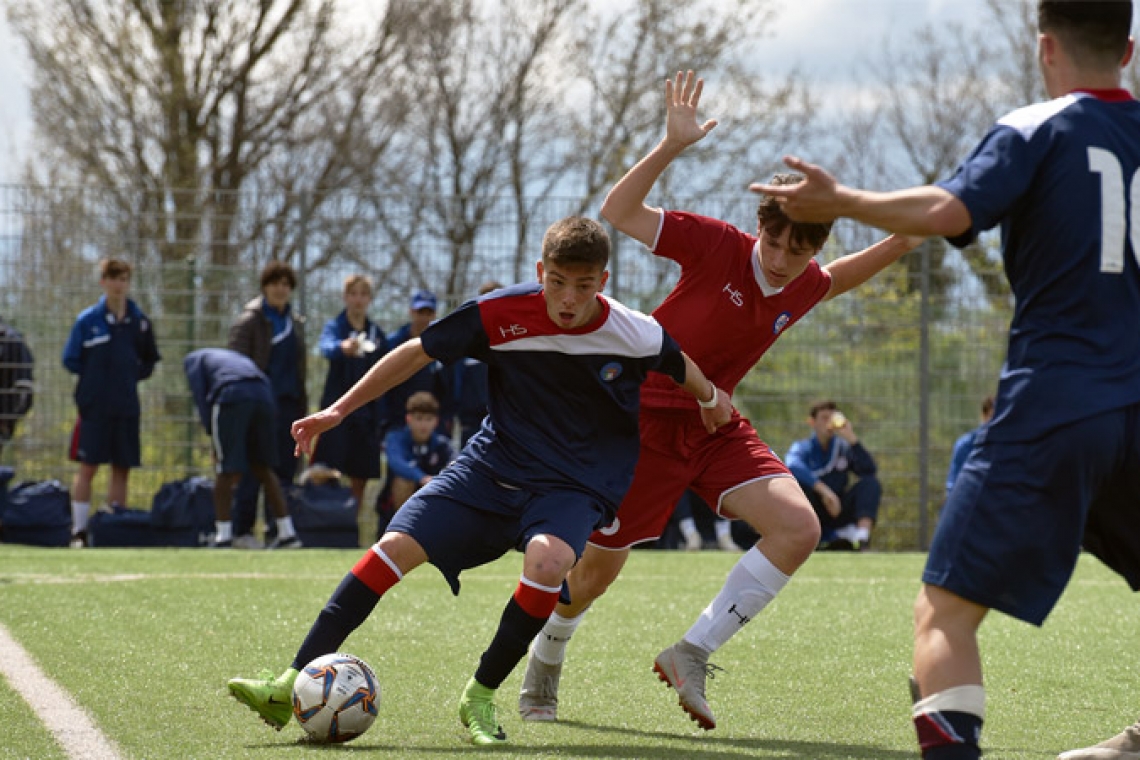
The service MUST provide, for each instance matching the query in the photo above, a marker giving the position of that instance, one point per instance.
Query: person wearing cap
(421, 313)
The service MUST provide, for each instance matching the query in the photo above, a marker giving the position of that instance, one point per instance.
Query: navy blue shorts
(353, 447)
(243, 435)
(464, 518)
(106, 440)
(1012, 528)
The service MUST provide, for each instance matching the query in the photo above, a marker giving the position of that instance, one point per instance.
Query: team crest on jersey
(781, 322)
(610, 372)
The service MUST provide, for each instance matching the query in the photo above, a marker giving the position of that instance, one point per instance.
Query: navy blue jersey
(345, 371)
(222, 376)
(111, 356)
(563, 404)
(1062, 180)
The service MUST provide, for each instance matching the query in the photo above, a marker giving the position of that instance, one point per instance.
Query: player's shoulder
(1027, 120)
(639, 332)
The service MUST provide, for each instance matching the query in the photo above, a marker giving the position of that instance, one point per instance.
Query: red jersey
(718, 312)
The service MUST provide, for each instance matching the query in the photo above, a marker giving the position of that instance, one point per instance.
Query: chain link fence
(908, 357)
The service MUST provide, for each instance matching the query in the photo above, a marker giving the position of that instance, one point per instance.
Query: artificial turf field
(144, 641)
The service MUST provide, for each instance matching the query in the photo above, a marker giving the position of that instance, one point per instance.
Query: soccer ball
(335, 698)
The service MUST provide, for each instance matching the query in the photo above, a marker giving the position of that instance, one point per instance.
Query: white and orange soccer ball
(335, 698)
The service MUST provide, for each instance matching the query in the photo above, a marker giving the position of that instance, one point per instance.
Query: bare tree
(181, 111)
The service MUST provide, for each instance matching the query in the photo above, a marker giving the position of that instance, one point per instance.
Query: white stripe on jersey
(625, 333)
(1026, 120)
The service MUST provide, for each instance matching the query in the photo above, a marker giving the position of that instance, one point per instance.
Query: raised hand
(817, 199)
(682, 97)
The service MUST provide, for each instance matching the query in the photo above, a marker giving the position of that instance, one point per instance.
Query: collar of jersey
(1114, 95)
(758, 273)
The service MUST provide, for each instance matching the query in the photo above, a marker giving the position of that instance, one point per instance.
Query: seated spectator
(965, 443)
(16, 387)
(235, 404)
(694, 540)
(824, 465)
(417, 452)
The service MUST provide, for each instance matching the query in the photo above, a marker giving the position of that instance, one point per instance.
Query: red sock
(535, 600)
(377, 571)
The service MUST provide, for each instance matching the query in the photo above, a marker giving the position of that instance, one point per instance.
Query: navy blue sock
(949, 735)
(348, 607)
(517, 629)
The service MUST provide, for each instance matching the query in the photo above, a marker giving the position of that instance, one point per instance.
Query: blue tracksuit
(110, 357)
(412, 461)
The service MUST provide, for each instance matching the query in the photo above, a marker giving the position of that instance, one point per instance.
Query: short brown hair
(819, 406)
(774, 221)
(422, 402)
(278, 270)
(353, 280)
(576, 241)
(110, 269)
(1094, 32)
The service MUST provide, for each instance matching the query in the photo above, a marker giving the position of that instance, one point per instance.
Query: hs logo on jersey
(514, 331)
(736, 296)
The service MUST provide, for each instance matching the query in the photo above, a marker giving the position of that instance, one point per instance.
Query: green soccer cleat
(477, 713)
(269, 697)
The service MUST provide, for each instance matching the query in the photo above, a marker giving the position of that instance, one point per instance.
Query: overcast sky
(825, 38)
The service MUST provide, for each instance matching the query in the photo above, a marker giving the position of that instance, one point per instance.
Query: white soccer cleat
(684, 667)
(538, 698)
(1123, 746)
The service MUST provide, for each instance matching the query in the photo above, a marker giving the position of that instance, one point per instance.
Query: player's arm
(920, 211)
(394, 368)
(853, 270)
(625, 206)
(716, 405)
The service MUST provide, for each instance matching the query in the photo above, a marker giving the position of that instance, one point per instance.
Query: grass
(146, 639)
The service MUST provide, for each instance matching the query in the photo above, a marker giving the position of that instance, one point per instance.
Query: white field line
(76, 733)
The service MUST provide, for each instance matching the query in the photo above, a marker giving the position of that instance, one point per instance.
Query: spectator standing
(272, 335)
(687, 524)
(112, 347)
(235, 404)
(352, 343)
(17, 387)
(468, 389)
(965, 443)
(824, 466)
(430, 378)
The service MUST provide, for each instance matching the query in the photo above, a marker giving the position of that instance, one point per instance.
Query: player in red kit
(736, 295)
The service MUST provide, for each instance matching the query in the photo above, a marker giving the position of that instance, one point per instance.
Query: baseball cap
(423, 299)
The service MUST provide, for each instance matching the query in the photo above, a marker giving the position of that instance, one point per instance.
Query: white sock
(224, 530)
(79, 512)
(751, 584)
(688, 527)
(723, 528)
(285, 527)
(862, 534)
(550, 643)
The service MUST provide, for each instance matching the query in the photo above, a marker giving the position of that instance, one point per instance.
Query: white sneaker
(248, 541)
(684, 667)
(693, 542)
(538, 698)
(1123, 746)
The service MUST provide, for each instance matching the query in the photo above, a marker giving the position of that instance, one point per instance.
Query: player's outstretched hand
(720, 414)
(817, 199)
(306, 431)
(682, 97)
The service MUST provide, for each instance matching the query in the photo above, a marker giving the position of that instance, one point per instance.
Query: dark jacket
(221, 376)
(252, 335)
(110, 358)
(17, 389)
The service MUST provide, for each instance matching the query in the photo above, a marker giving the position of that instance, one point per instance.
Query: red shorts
(676, 454)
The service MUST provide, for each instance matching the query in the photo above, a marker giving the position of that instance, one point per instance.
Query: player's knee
(548, 560)
(588, 583)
